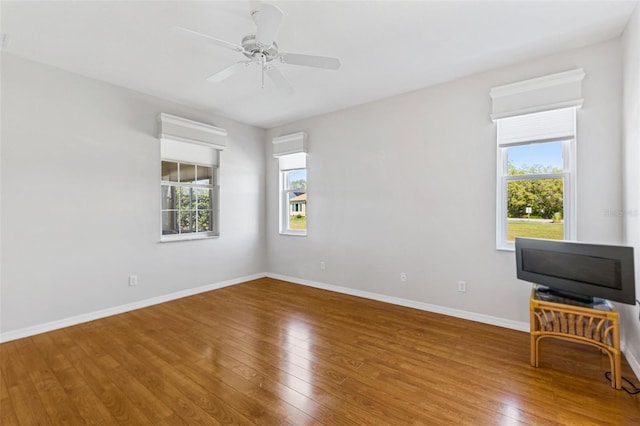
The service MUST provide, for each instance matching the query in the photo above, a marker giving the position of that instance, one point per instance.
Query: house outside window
(299, 205)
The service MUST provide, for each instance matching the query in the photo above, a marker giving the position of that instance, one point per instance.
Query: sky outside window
(297, 175)
(546, 154)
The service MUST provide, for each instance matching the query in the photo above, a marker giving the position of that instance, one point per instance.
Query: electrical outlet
(462, 286)
(323, 266)
(403, 277)
(133, 280)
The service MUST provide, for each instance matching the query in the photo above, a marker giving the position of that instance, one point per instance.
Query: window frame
(568, 175)
(283, 211)
(213, 202)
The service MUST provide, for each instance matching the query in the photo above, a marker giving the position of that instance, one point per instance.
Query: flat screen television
(578, 271)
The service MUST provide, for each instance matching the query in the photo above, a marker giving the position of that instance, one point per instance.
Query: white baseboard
(486, 319)
(632, 360)
(90, 316)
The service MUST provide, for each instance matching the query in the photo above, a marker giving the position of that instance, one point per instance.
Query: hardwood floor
(270, 352)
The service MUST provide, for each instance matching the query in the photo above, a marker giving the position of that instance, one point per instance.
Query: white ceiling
(386, 47)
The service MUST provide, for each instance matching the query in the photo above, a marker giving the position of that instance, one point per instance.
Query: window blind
(292, 161)
(548, 125)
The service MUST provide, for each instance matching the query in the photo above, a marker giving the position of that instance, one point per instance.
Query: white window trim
(291, 152)
(215, 203)
(283, 210)
(188, 237)
(193, 136)
(557, 91)
(569, 192)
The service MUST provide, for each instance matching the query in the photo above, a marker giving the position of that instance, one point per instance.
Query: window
(536, 177)
(188, 199)
(294, 201)
(189, 189)
(291, 152)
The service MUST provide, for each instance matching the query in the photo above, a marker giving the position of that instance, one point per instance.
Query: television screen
(578, 270)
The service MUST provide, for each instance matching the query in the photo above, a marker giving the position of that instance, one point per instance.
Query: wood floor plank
(227, 365)
(55, 360)
(259, 370)
(99, 380)
(87, 403)
(270, 352)
(88, 406)
(248, 407)
(148, 371)
(184, 396)
(283, 365)
(7, 414)
(299, 370)
(27, 405)
(59, 406)
(143, 398)
(225, 375)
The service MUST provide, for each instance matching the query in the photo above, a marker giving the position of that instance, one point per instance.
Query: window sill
(506, 247)
(293, 234)
(176, 238)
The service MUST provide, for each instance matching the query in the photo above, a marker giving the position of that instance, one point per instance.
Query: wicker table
(595, 324)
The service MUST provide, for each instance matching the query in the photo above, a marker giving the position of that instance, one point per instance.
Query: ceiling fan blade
(228, 71)
(310, 60)
(268, 20)
(214, 40)
(279, 80)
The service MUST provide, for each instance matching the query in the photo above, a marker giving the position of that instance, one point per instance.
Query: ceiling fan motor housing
(252, 49)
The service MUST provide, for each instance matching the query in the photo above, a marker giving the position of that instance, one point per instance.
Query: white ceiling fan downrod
(264, 65)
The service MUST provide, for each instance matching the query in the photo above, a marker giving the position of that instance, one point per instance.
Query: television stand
(595, 324)
(546, 293)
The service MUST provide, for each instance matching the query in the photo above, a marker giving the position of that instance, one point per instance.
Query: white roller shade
(550, 92)
(540, 126)
(293, 161)
(189, 153)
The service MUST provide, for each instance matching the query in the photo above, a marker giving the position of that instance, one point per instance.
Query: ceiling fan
(261, 49)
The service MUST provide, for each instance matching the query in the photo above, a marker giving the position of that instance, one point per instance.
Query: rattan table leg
(616, 374)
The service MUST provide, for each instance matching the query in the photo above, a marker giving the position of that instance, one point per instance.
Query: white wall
(80, 199)
(631, 206)
(407, 184)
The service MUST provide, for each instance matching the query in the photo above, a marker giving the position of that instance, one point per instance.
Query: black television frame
(563, 284)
